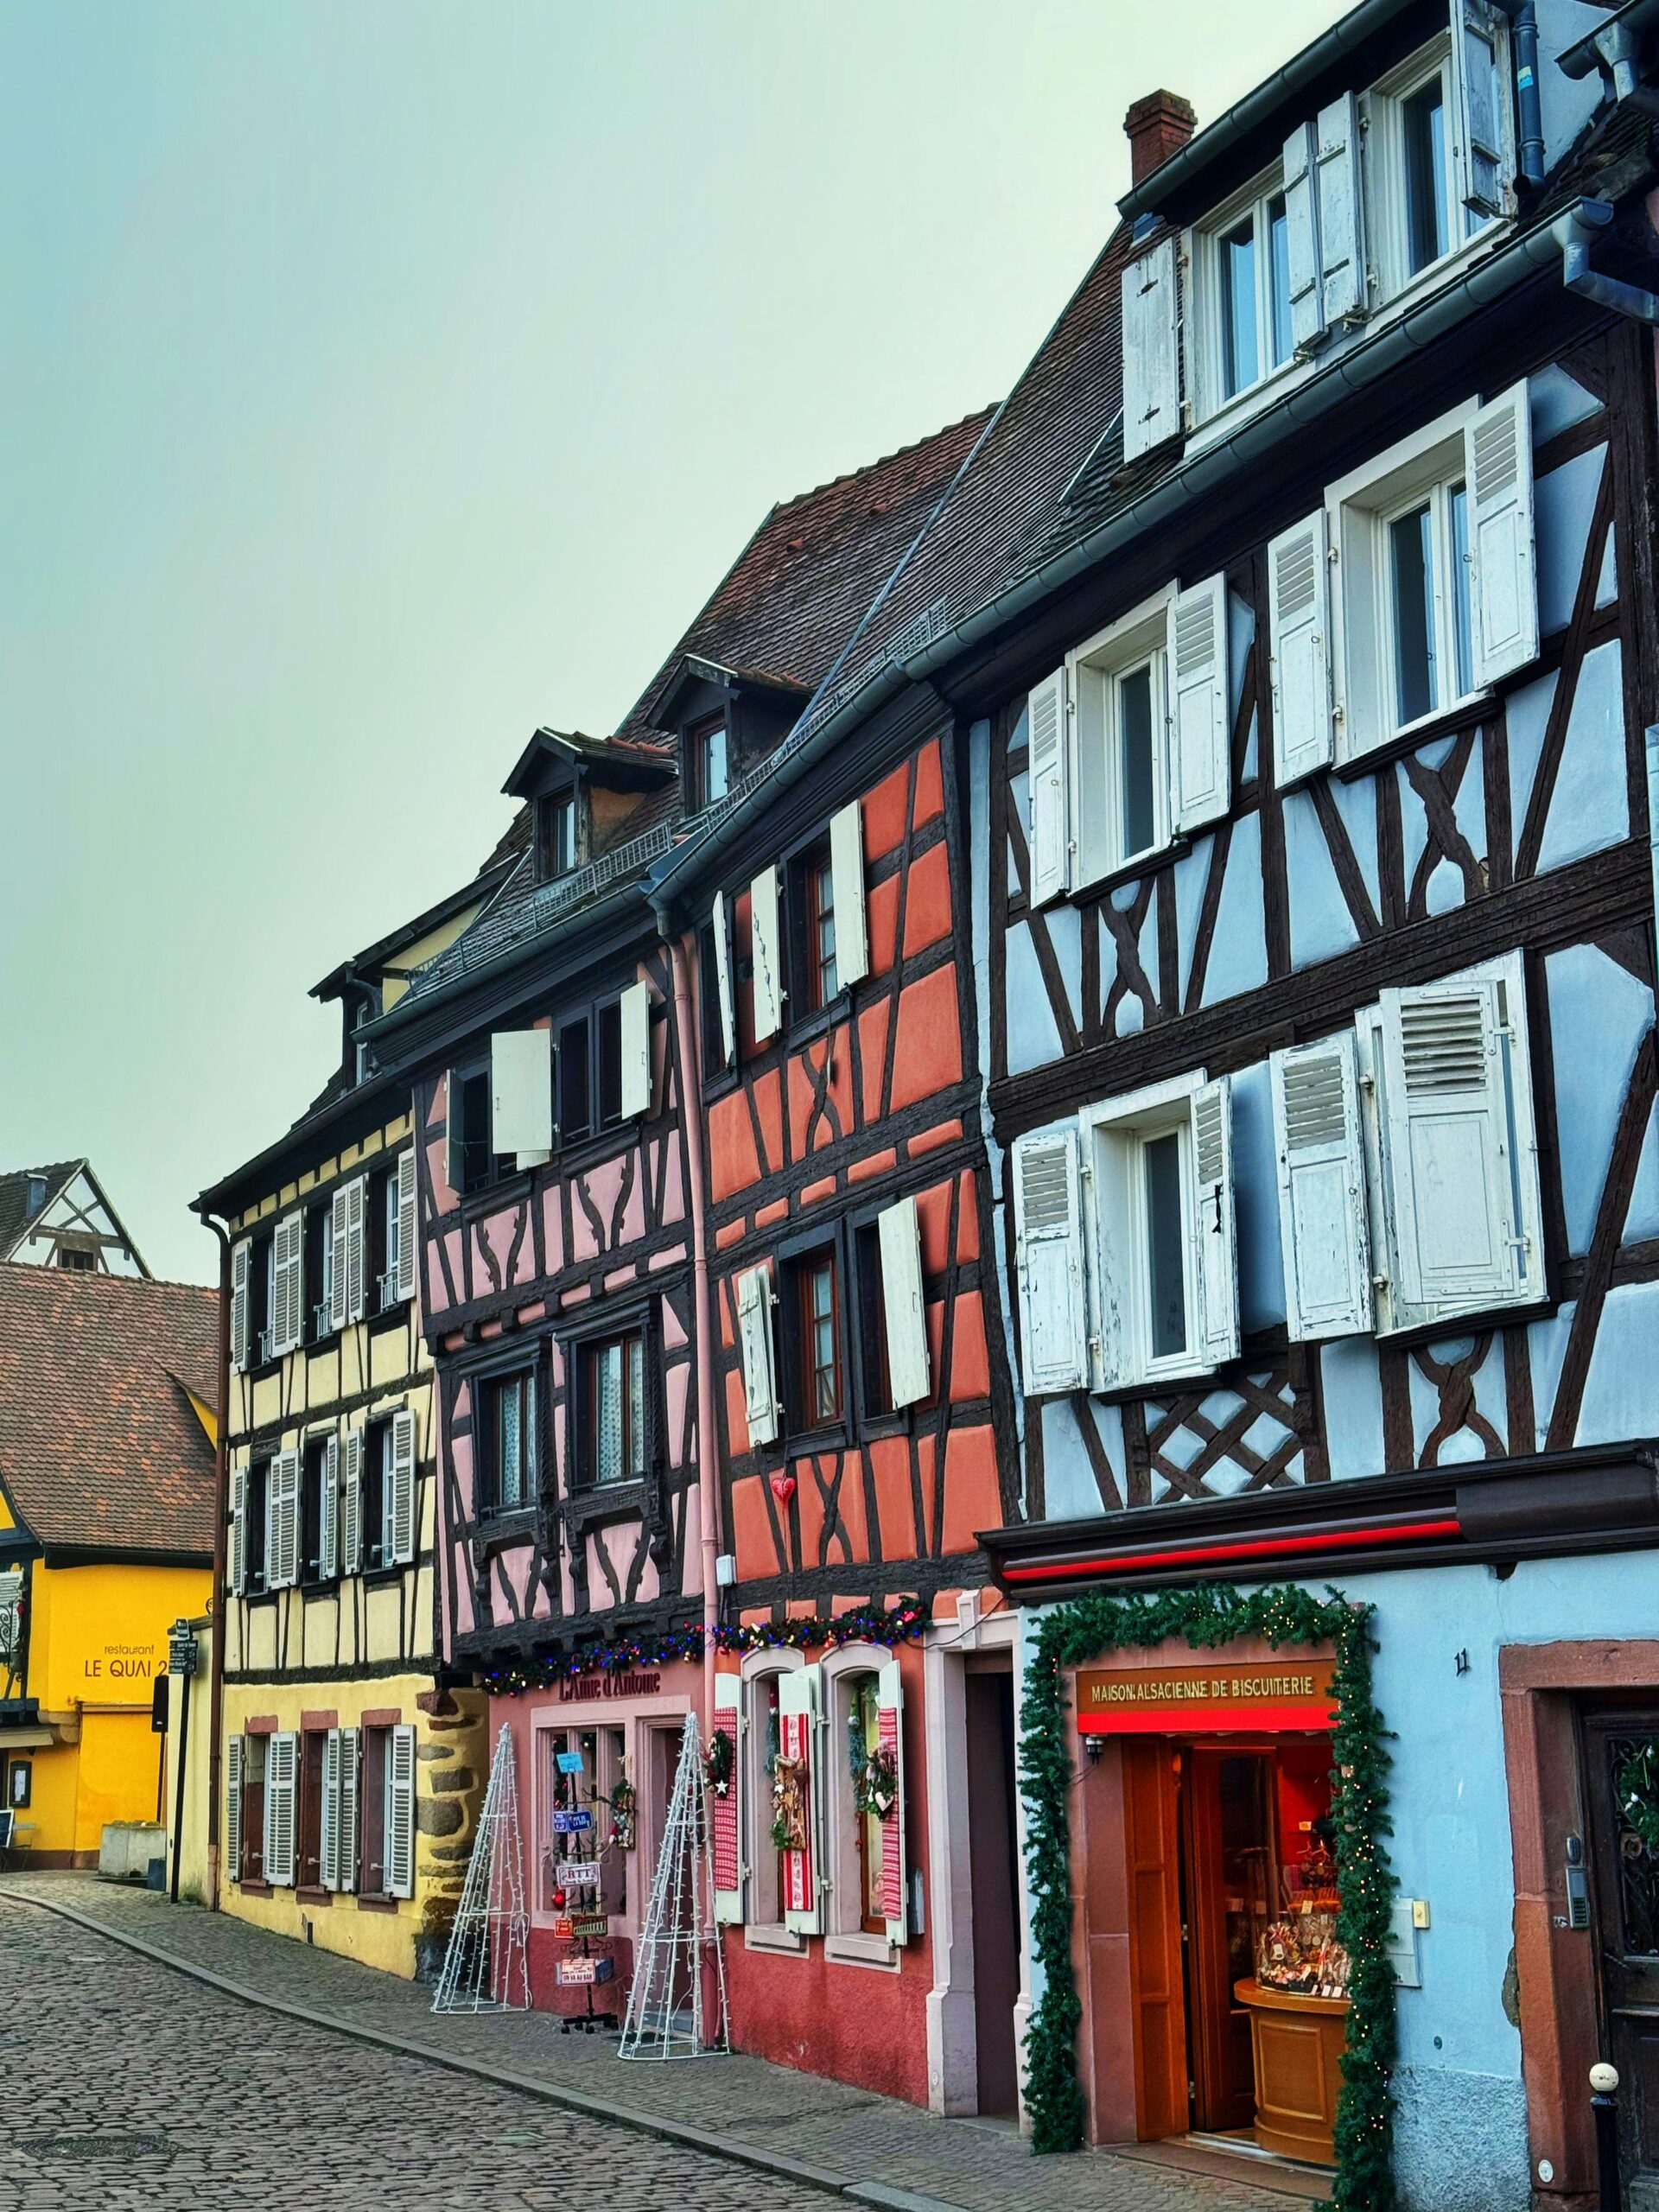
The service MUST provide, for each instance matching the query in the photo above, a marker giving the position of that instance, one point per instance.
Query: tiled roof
(15, 1216)
(99, 1445)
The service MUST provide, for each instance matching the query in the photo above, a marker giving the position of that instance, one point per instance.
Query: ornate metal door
(1621, 1766)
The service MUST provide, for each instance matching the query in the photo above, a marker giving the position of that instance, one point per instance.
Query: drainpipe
(1524, 20)
(707, 1454)
(216, 1599)
(1580, 228)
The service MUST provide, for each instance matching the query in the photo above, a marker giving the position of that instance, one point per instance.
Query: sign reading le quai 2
(1279, 1693)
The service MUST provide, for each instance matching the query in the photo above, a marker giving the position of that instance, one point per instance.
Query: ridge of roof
(974, 415)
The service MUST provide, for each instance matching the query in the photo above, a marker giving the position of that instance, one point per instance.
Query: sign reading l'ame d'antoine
(1279, 1693)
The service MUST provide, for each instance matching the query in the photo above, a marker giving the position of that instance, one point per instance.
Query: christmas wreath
(624, 1805)
(717, 1763)
(788, 1804)
(874, 1771)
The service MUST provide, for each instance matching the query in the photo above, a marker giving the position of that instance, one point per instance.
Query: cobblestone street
(130, 2085)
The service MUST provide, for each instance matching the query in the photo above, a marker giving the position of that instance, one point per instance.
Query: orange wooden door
(1151, 1846)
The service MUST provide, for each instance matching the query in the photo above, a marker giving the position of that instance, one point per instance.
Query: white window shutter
(1323, 1230)
(1342, 213)
(1048, 779)
(1477, 43)
(355, 1267)
(1200, 768)
(1307, 325)
(1215, 1227)
(1299, 615)
(766, 955)
(723, 980)
(754, 1344)
(799, 1739)
(339, 1214)
(233, 1807)
(288, 1284)
(1152, 350)
(635, 1022)
(282, 1766)
(400, 1811)
(400, 1489)
(890, 1723)
(328, 1843)
(239, 1529)
(406, 1224)
(904, 1315)
(239, 1258)
(283, 1522)
(1048, 1254)
(726, 1812)
(1504, 584)
(847, 889)
(351, 1503)
(521, 1095)
(348, 1801)
(328, 1537)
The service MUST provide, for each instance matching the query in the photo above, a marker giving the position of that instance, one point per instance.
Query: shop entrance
(1620, 1759)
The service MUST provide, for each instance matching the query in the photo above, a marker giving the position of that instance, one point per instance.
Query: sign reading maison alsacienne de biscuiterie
(1278, 1692)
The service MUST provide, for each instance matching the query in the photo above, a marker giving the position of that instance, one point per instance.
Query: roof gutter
(1612, 47)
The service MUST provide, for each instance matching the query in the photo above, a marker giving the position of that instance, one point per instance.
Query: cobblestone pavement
(129, 2088)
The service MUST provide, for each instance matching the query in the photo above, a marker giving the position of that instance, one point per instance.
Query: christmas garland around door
(1207, 1616)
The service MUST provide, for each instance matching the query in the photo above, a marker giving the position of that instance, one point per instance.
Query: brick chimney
(1156, 127)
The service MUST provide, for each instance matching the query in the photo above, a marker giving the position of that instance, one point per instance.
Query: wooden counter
(1295, 2043)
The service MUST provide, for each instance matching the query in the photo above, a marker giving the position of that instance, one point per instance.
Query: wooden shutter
(240, 1257)
(726, 1814)
(1048, 777)
(356, 1248)
(288, 1284)
(903, 1315)
(406, 1223)
(521, 1095)
(340, 1215)
(722, 930)
(1504, 585)
(1307, 326)
(351, 1503)
(1479, 83)
(329, 1847)
(1200, 769)
(1299, 592)
(232, 1805)
(281, 1770)
(890, 1727)
(1342, 213)
(754, 1344)
(328, 1539)
(1323, 1230)
(766, 955)
(634, 1020)
(283, 1522)
(348, 1808)
(1151, 1855)
(400, 1489)
(799, 1740)
(1048, 1255)
(1151, 352)
(400, 1811)
(847, 888)
(1212, 1163)
(239, 1529)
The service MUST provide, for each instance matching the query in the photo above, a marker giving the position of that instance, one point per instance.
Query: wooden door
(1228, 1845)
(1151, 1853)
(1621, 1773)
(993, 1863)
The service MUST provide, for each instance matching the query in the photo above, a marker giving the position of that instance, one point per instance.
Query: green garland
(1209, 1616)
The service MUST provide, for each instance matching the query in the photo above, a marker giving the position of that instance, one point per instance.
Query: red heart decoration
(783, 1488)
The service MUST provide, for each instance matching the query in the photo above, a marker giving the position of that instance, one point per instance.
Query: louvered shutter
(340, 1215)
(239, 1258)
(1048, 1253)
(754, 1344)
(1307, 326)
(1480, 94)
(1342, 213)
(1504, 584)
(328, 1845)
(890, 1726)
(726, 1812)
(406, 1224)
(903, 1316)
(329, 1525)
(400, 1811)
(1200, 771)
(765, 952)
(232, 1807)
(348, 1808)
(723, 980)
(1323, 1231)
(356, 1248)
(1450, 1062)
(351, 1503)
(288, 1284)
(1152, 354)
(283, 1522)
(400, 1488)
(282, 1768)
(238, 1530)
(847, 889)
(635, 1021)
(1048, 777)
(521, 1095)
(1299, 590)
(799, 1741)
(1212, 1162)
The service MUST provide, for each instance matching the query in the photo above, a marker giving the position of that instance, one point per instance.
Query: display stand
(1296, 2042)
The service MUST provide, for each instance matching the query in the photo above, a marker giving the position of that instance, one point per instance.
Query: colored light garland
(867, 1624)
(1209, 1616)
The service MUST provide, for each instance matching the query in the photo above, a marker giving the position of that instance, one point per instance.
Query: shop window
(765, 1861)
(854, 1806)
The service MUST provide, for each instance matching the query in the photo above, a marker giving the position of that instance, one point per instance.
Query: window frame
(1385, 182)
(1131, 1123)
(553, 808)
(257, 1525)
(794, 1259)
(806, 1003)
(252, 1868)
(764, 1925)
(1207, 241)
(500, 1166)
(582, 1407)
(697, 738)
(373, 1781)
(525, 1374)
(309, 1785)
(320, 1234)
(314, 1502)
(1094, 672)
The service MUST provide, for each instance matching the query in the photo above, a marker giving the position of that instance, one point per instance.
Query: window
(817, 1386)
(713, 995)
(894, 1356)
(819, 920)
(262, 1298)
(864, 1741)
(252, 1808)
(318, 1556)
(875, 1375)
(708, 762)
(556, 834)
(77, 1258)
(574, 1081)
(391, 1233)
(1438, 154)
(319, 1272)
(307, 1871)
(1246, 264)
(473, 1162)
(765, 1860)
(613, 1409)
(609, 1036)
(509, 1442)
(257, 1522)
(1122, 738)
(376, 1749)
(1428, 174)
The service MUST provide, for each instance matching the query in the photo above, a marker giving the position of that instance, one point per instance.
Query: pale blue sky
(380, 380)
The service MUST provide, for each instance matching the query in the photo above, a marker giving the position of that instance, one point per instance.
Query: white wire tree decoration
(679, 1949)
(486, 1966)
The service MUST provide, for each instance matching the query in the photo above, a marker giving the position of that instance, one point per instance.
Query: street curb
(669, 2131)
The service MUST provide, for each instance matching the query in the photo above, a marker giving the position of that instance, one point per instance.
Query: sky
(384, 379)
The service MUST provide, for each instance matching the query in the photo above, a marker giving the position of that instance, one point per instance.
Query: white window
(1242, 256)
(1439, 147)
(1120, 694)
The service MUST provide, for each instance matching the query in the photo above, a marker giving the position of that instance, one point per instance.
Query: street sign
(572, 1823)
(182, 1650)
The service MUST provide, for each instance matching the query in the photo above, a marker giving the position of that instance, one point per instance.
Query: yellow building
(106, 1530)
(348, 1774)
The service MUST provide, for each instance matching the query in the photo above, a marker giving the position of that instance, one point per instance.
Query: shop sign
(577, 1689)
(576, 1972)
(575, 1925)
(1268, 1694)
(572, 1823)
(569, 1761)
(576, 1873)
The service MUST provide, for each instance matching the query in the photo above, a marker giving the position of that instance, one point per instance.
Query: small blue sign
(572, 1823)
(569, 1761)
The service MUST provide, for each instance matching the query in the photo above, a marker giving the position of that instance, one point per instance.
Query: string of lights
(901, 1623)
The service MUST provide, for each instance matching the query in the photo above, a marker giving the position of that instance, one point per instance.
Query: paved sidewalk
(815, 2131)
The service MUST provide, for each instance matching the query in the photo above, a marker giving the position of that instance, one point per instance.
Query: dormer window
(1253, 282)
(556, 834)
(707, 762)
